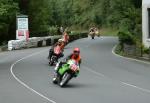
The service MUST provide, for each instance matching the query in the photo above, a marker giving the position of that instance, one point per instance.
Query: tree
(8, 10)
(43, 14)
(38, 17)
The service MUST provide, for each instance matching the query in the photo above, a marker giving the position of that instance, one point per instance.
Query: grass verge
(121, 53)
(108, 32)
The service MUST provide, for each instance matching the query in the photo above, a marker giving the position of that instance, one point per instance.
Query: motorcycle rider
(92, 32)
(65, 37)
(75, 56)
(51, 51)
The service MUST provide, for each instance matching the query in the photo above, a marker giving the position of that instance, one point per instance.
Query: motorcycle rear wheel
(92, 37)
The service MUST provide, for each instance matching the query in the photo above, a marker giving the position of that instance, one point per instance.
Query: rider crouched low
(75, 56)
(51, 51)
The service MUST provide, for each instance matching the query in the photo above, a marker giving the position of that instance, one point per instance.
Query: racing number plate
(74, 67)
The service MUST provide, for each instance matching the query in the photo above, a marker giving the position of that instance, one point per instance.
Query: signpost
(22, 32)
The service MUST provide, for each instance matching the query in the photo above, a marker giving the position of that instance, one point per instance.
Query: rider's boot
(56, 70)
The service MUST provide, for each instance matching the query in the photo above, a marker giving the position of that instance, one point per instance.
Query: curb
(128, 58)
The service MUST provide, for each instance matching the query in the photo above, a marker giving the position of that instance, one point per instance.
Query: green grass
(103, 31)
(108, 32)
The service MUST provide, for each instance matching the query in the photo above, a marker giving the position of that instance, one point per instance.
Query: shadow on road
(72, 85)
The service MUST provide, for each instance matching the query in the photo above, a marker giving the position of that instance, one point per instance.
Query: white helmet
(61, 40)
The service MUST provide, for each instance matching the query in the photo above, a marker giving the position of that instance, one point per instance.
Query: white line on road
(113, 51)
(25, 85)
(97, 73)
(127, 84)
(134, 86)
(124, 83)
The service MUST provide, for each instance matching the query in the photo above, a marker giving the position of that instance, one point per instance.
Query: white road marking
(134, 86)
(25, 85)
(97, 73)
(123, 83)
(113, 51)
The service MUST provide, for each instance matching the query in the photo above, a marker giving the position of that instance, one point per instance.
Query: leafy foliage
(126, 37)
(53, 30)
(8, 10)
(45, 15)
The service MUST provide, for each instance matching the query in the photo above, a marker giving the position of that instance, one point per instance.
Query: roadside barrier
(40, 41)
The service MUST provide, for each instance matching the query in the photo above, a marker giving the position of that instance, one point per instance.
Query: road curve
(25, 76)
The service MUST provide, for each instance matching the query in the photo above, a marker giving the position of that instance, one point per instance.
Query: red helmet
(76, 51)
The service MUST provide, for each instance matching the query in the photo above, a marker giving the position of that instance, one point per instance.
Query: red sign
(20, 33)
(27, 35)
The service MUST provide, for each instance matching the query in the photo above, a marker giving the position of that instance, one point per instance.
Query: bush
(53, 31)
(146, 50)
(126, 37)
(75, 33)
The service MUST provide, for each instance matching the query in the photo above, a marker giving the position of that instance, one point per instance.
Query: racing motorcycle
(66, 73)
(56, 55)
(92, 34)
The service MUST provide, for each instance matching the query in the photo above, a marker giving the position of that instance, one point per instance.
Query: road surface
(26, 77)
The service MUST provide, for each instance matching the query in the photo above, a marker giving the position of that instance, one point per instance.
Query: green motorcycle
(66, 73)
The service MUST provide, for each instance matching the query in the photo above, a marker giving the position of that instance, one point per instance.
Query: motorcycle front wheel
(55, 79)
(66, 77)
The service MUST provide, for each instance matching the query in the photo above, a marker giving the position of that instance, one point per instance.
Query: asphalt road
(26, 77)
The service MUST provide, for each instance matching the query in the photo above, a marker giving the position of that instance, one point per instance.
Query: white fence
(41, 41)
(32, 42)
